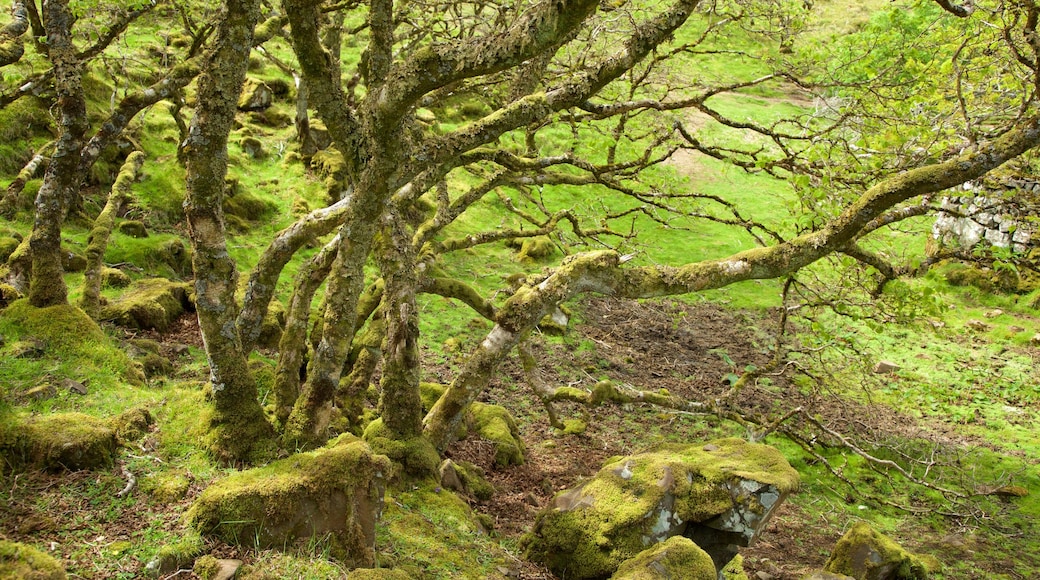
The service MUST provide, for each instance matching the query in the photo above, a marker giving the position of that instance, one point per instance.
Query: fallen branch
(131, 481)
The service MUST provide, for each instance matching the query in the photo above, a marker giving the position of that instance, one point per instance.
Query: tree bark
(237, 423)
(97, 243)
(46, 281)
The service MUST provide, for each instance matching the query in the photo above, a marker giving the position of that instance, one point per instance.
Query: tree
(537, 66)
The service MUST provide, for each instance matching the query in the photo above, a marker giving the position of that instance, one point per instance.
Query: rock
(449, 476)
(677, 558)
(977, 325)
(22, 561)
(72, 262)
(1035, 340)
(719, 498)
(153, 303)
(821, 575)
(59, 441)
(993, 313)
(114, 278)
(74, 386)
(226, 569)
(885, 367)
(865, 554)
(256, 96)
(134, 229)
(335, 491)
(252, 147)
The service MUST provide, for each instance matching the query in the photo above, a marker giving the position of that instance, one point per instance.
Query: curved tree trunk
(237, 423)
(97, 243)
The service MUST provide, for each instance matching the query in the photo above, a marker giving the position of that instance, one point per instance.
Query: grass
(981, 384)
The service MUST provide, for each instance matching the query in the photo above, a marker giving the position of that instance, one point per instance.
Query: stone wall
(998, 217)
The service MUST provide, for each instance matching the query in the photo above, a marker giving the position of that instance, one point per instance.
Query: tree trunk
(237, 423)
(97, 243)
(46, 281)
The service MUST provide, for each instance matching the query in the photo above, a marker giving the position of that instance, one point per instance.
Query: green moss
(132, 424)
(378, 574)
(574, 427)
(22, 561)
(865, 553)
(178, 554)
(64, 441)
(677, 558)
(472, 477)
(604, 391)
(7, 247)
(114, 278)
(133, 228)
(735, 569)
(417, 456)
(590, 530)
(152, 303)
(206, 567)
(333, 490)
(248, 206)
(166, 486)
(494, 423)
(429, 393)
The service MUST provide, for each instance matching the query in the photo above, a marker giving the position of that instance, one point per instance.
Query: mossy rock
(735, 569)
(677, 558)
(133, 228)
(252, 147)
(152, 303)
(8, 294)
(335, 491)
(494, 423)
(178, 554)
(532, 249)
(166, 486)
(256, 96)
(24, 562)
(723, 491)
(72, 261)
(866, 554)
(417, 456)
(114, 278)
(59, 441)
(176, 255)
(248, 206)
(821, 575)
(132, 424)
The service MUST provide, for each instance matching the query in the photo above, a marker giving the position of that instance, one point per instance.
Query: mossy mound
(7, 247)
(335, 491)
(718, 494)
(248, 206)
(677, 558)
(416, 456)
(27, 563)
(494, 423)
(72, 441)
(866, 554)
(532, 249)
(66, 335)
(178, 554)
(132, 424)
(114, 278)
(149, 304)
(133, 228)
(166, 486)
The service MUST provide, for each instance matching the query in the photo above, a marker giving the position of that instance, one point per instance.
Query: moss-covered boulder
(133, 228)
(335, 491)
(27, 563)
(677, 558)
(153, 303)
(55, 442)
(821, 575)
(114, 278)
(718, 494)
(866, 554)
(494, 423)
(256, 96)
(7, 247)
